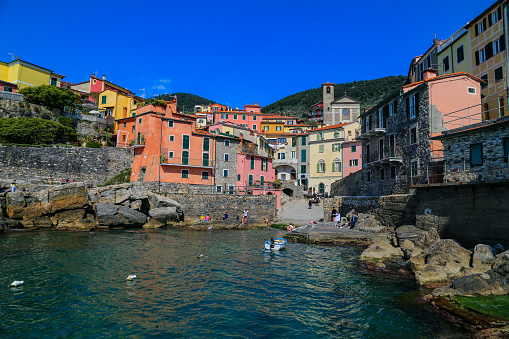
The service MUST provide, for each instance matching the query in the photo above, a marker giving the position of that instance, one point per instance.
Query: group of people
(207, 218)
(336, 219)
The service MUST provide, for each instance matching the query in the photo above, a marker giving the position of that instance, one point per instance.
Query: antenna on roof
(96, 73)
(12, 56)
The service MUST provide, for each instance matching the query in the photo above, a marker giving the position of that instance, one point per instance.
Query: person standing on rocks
(13, 186)
(354, 220)
(244, 216)
(333, 213)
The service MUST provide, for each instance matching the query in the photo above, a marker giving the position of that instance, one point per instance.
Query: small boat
(275, 244)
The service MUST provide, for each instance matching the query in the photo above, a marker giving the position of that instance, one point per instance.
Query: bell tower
(328, 98)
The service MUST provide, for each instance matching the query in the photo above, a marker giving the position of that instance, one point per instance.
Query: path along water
(75, 287)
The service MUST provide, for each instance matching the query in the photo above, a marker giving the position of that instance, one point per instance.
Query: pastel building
(352, 157)
(250, 117)
(94, 86)
(25, 74)
(454, 53)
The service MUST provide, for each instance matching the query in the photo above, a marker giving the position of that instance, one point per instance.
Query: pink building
(250, 117)
(352, 157)
(98, 85)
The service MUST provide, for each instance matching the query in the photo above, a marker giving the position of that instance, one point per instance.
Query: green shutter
(318, 168)
(238, 177)
(333, 168)
(185, 142)
(332, 147)
(206, 142)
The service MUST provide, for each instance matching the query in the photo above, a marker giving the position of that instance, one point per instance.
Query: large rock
(68, 196)
(483, 257)
(410, 233)
(68, 219)
(432, 274)
(428, 238)
(410, 250)
(153, 223)
(450, 255)
(381, 249)
(157, 201)
(164, 214)
(112, 215)
(7, 224)
(368, 223)
(115, 194)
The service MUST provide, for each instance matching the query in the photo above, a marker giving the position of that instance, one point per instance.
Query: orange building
(167, 147)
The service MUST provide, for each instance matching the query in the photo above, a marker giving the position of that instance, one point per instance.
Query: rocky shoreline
(441, 265)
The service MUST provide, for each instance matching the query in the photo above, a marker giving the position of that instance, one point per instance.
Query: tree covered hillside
(368, 92)
(186, 101)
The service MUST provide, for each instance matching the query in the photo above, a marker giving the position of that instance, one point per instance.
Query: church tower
(328, 98)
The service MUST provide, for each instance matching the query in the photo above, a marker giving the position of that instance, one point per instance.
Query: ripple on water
(75, 286)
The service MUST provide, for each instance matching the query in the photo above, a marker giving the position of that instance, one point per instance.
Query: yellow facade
(325, 154)
(117, 105)
(455, 53)
(25, 74)
(272, 126)
(485, 34)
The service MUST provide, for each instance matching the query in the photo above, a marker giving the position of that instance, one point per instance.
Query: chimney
(104, 77)
(429, 73)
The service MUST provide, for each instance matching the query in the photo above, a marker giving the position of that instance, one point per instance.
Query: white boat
(275, 244)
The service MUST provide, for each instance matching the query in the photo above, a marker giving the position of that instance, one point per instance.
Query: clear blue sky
(233, 52)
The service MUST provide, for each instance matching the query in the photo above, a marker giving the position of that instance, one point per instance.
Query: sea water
(212, 284)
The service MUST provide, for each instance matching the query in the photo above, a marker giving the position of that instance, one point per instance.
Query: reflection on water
(75, 285)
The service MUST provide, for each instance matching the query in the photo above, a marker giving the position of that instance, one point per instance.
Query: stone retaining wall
(91, 165)
(391, 211)
(469, 213)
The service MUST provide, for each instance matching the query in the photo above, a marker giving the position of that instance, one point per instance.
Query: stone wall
(348, 186)
(470, 213)
(260, 207)
(391, 211)
(91, 165)
(230, 148)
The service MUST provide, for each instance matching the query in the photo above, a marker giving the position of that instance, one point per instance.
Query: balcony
(137, 143)
(187, 162)
(283, 162)
(374, 132)
(389, 160)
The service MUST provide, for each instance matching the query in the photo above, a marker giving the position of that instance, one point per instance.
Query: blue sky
(232, 52)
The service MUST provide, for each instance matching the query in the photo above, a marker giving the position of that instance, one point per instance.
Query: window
(206, 144)
(495, 16)
(354, 162)
(392, 146)
(303, 141)
(506, 149)
(235, 117)
(328, 89)
(227, 142)
(413, 168)
(185, 173)
(281, 155)
(496, 46)
(254, 117)
(254, 128)
(303, 168)
(460, 54)
(319, 135)
(226, 157)
(380, 149)
(293, 154)
(264, 164)
(103, 99)
(380, 118)
(265, 128)
(391, 109)
(250, 179)
(134, 129)
(170, 123)
(219, 188)
(336, 166)
(480, 27)
(252, 163)
(123, 138)
(354, 149)
(382, 174)
(413, 135)
(139, 121)
(393, 172)
(337, 134)
(445, 62)
(281, 140)
(243, 117)
(321, 148)
(368, 153)
(205, 175)
(321, 167)
(185, 158)
(476, 154)
(170, 155)
(294, 142)
(368, 176)
(262, 179)
(485, 79)
(7, 89)
(224, 116)
(480, 56)
(499, 74)
(500, 107)
(238, 177)
(231, 189)
(303, 155)
(411, 107)
(205, 159)
(368, 123)
(185, 142)
(471, 90)
(172, 138)
(336, 147)
(225, 173)
(278, 128)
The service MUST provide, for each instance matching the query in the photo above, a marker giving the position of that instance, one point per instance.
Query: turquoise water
(75, 287)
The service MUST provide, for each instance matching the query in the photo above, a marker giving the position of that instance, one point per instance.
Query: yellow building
(454, 53)
(487, 52)
(117, 104)
(25, 74)
(325, 154)
(282, 124)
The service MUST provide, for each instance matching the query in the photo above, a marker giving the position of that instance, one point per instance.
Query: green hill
(186, 101)
(368, 92)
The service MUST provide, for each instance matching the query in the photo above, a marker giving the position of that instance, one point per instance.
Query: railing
(11, 96)
(137, 142)
(183, 161)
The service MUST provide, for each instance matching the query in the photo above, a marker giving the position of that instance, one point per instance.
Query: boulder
(153, 223)
(136, 205)
(431, 274)
(116, 194)
(68, 218)
(428, 238)
(164, 214)
(410, 250)
(410, 233)
(417, 263)
(369, 224)
(157, 201)
(7, 224)
(68, 196)
(15, 205)
(44, 221)
(112, 215)
(448, 254)
(381, 249)
(483, 257)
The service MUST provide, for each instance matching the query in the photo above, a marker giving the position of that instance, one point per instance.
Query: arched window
(328, 89)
